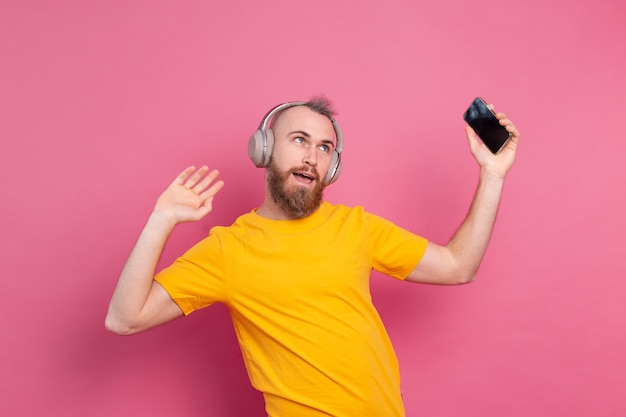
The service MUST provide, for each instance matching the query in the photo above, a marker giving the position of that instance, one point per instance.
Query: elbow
(462, 275)
(119, 327)
(464, 279)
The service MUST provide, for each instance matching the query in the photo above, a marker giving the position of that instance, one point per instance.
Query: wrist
(161, 219)
(491, 174)
(491, 179)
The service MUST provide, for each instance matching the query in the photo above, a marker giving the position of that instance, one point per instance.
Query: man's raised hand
(501, 163)
(190, 196)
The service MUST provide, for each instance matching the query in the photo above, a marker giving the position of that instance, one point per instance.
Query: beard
(298, 202)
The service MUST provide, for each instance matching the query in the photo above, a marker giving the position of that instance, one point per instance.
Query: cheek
(324, 161)
(279, 157)
(288, 158)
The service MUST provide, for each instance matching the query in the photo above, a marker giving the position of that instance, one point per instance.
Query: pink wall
(102, 103)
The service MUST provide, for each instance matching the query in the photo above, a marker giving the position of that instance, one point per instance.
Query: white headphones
(261, 143)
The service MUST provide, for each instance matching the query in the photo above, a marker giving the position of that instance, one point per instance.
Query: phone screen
(484, 122)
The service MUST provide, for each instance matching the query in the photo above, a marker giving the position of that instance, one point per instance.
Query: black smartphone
(488, 128)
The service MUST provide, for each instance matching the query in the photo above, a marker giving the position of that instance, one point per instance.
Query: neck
(270, 210)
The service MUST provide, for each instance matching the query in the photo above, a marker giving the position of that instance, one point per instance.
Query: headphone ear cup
(269, 139)
(260, 146)
(334, 170)
(255, 147)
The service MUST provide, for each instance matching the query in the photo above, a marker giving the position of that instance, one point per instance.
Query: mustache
(305, 169)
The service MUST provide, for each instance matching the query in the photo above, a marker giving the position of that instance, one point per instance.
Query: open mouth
(304, 177)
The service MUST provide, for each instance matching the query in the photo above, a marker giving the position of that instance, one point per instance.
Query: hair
(322, 105)
(318, 103)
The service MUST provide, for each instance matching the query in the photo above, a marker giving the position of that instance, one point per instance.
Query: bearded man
(294, 273)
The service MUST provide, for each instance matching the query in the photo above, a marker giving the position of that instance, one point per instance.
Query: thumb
(472, 137)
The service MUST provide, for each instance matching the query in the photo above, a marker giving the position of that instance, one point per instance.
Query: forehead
(302, 118)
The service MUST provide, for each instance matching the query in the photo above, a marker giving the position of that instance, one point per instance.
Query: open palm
(190, 196)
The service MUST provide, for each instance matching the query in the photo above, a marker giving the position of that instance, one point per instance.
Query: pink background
(102, 103)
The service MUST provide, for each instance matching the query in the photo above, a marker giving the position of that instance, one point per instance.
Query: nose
(310, 156)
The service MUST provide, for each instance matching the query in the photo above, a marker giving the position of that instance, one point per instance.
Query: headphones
(261, 143)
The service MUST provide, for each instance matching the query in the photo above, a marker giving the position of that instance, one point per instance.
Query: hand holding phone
(486, 125)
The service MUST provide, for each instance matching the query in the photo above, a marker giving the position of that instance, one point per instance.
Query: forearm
(457, 262)
(469, 243)
(136, 278)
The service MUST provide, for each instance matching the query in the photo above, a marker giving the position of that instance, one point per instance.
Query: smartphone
(488, 128)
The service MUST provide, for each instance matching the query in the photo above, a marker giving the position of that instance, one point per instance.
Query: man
(294, 273)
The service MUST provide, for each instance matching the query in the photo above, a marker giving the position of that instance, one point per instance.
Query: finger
(205, 182)
(505, 122)
(182, 177)
(192, 181)
(472, 137)
(509, 126)
(513, 130)
(503, 119)
(210, 192)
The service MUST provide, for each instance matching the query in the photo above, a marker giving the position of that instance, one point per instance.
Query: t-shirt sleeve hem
(184, 304)
(418, 254)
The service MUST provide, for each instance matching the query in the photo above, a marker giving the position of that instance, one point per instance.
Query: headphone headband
(270, 114)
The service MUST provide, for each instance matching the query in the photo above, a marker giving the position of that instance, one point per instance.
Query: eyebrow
(301, 132)
(308, 136)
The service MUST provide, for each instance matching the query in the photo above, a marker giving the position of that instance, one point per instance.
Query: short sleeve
(196, 279)
(396, 251)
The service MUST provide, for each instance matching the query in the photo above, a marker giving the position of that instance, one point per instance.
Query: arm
(458, 261)
(138, 302)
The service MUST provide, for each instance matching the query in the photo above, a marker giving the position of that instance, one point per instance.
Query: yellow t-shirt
(298, 293)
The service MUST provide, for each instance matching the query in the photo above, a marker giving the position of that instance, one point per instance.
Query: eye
(298, 139)
(325, 148)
